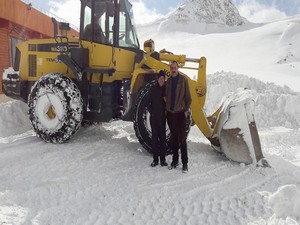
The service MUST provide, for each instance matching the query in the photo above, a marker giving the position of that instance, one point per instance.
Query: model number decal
(59, 48)
(62, 48)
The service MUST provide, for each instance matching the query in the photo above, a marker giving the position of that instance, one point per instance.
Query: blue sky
(290, 7)
(148, 10)
(162, 6)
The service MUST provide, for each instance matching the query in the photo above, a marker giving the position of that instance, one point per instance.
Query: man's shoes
(173, 165)
(185, 168)
(163, 163)
(153, 164)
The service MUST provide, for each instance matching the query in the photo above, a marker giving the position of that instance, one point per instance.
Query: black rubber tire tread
(142, 133)
(68, 92)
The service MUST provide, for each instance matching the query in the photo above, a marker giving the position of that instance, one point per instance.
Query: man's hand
(186, 114)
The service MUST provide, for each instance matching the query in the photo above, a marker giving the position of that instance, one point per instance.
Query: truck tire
(55, 108)
(141, 121)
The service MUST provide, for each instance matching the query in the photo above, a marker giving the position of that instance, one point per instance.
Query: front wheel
(141, 121)
(55, 108)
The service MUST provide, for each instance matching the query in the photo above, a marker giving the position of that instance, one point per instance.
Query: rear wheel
(141, 121)
(55, 108)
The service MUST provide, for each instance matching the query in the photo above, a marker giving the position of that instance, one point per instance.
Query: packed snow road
(102, 176)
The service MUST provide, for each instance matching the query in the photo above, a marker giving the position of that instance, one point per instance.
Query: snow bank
(285, 202)
(13, 119)
(275, 105)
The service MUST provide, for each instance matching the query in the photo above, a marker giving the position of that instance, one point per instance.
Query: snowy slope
(269, 52)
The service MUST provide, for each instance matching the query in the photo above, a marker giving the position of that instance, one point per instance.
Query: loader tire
(55, 108)
(141, 121)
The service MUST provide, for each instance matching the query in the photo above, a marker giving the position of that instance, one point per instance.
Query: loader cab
(108, 22)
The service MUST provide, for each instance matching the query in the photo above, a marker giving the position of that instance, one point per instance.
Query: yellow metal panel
(46, 61)
(101, 55)
(108, 57)
(124, 60)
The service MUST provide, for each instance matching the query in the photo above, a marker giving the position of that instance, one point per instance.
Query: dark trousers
(176, 123)
(158, 128)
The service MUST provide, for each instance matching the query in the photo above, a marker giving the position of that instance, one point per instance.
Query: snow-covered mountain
(208, 11)
(202, 16)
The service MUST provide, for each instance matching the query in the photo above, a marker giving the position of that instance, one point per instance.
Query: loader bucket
(237, 129)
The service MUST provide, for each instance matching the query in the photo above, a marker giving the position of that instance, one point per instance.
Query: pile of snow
(13, 119)
(285, 202)
(275, 105)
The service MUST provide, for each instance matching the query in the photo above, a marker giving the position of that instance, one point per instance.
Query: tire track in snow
(182, 180)
(209, 209)
(218, 184)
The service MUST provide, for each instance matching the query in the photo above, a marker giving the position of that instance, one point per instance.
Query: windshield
(98, 22)
(127, 33)
(99, 19)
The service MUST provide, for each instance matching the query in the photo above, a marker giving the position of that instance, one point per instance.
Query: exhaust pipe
(54, 21)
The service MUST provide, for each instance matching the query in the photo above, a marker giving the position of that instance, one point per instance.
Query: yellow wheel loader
(104, 75)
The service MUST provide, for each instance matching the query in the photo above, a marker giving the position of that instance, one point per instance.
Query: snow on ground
(103, 176)
(100, 177)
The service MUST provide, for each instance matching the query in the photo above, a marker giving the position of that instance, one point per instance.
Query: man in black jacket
(157, 107)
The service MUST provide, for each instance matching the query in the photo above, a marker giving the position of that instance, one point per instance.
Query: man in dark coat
(157, 109)
(178, 101)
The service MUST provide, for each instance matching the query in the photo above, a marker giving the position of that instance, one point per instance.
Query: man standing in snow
(157, 109)
(178, 101)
